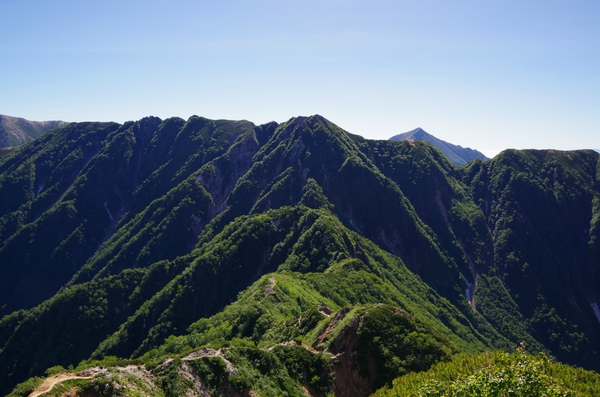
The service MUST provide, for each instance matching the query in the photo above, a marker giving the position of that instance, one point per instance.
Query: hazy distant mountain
(456, 154)
(15, 131)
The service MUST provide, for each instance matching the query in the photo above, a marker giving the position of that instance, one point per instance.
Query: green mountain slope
(499, 373)
(15, 131)
(120, 237)
(542, 208)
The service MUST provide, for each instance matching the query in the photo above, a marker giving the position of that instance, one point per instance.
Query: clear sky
(485, 74)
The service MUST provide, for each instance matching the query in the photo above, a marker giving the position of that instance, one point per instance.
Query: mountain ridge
(16, 131)
(455, 153)
(145, 228)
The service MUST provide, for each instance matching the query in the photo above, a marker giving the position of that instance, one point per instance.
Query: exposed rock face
(220, 176)
(378, 345)
(349, 380)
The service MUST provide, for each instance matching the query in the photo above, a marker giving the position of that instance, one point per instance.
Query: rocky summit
(458, 155)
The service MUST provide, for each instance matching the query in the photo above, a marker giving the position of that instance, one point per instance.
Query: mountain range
(218, 257)
(15, 131)
(458, 155)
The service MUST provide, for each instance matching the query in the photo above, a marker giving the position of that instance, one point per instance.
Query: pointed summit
(458, 155)
(417, 133)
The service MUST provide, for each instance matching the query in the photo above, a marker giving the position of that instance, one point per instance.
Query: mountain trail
(208, 352)
(294, 343)
(52, 381)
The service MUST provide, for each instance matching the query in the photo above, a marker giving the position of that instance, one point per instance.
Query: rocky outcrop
(349, 380)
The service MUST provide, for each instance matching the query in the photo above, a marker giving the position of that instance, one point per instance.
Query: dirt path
(208, 352)
(49, 383)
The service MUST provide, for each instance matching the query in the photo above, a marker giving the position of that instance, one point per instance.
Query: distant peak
(456, 154)
(417, 133)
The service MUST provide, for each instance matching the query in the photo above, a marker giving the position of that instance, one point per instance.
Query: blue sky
(485, 74)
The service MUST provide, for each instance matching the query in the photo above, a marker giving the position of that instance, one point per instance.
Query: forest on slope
(157, 238)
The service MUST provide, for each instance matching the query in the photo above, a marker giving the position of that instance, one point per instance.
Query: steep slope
(141, 229)
(543, 212)
(458, 155)
(15, 131)
(70, 192)
(208, 278)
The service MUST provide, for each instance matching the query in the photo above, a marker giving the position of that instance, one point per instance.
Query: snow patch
(354, 226)
(440, 204)
(469, 290)
(596, 310)
(107, 210)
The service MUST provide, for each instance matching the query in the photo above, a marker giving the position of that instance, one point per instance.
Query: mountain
(15, 131)
(228, 257)
(458, 155)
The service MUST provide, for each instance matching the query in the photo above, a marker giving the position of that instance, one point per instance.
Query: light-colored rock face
(220, 176)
